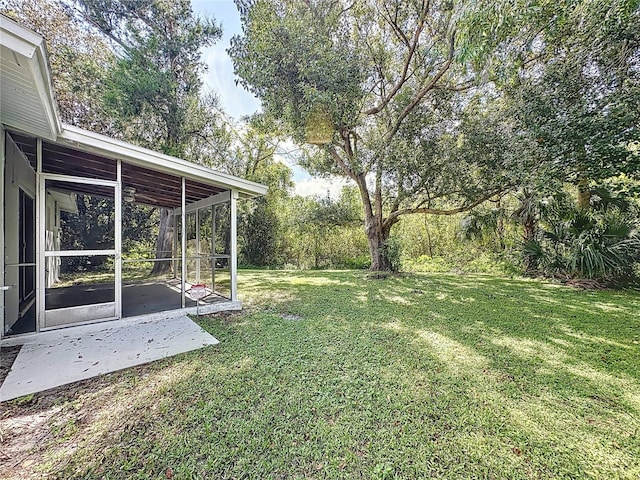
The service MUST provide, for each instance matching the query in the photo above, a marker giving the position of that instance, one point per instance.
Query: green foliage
(296, 57)
(253, 146)
(260, 234)
(483, 225)
(315, 240)
(156, 80)
(92, 228)
(384, 74)
(362, 262)
(573, 89)
(139, 230)
(472, 260)
(24, 400)
(393, 253)
(326, 212)
(602, 243)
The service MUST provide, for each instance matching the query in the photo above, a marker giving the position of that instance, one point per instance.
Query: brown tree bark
(164, 244)
(584, 194)
(377, 235)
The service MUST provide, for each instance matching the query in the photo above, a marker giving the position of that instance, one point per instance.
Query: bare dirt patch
(48, 421)
(7, 357)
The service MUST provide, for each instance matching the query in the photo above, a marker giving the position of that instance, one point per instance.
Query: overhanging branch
(341, 163)
(394, 216)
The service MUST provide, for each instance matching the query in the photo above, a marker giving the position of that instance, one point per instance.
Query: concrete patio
(64, 356)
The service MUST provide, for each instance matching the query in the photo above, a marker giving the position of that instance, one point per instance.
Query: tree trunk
(500, 226)
(164, 244)
(429, 244)
(530, 262)
(377, 235)
(584, 194)
(379, 260)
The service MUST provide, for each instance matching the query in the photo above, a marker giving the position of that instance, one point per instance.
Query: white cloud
(235, 100)
(320, 186)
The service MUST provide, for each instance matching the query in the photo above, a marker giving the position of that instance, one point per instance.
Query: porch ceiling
(154, 188)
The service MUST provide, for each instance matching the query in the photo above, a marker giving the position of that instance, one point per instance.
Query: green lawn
(334, 375)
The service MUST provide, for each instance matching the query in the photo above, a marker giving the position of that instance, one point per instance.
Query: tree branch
(412, 46)
(393, 217)
(378, 194)
(421, 94)
(341, 163)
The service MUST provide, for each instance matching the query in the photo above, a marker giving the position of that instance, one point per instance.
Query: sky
(236, 101)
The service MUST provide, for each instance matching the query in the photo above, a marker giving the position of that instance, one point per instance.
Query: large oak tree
(381, 87)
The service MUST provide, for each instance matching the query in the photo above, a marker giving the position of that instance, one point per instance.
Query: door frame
(24, 263)
(42, 254)
(23, 180)
(3, 162)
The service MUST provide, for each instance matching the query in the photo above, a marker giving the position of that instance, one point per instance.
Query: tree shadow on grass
(565, 362)
(426, 375)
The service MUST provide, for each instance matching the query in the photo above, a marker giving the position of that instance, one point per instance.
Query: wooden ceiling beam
(163, 188)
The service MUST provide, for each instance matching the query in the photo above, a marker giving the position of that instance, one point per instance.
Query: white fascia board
(109, 147)
(32, 47)
(17, 38)
(42, 76)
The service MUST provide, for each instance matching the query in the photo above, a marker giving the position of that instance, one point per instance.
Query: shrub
(602, 243)
(357, 263)
(392, 249)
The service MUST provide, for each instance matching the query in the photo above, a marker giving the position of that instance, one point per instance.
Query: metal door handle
(7, 287)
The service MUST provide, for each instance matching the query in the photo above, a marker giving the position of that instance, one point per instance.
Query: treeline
(321, 232)
(477, 135)
(518, 121)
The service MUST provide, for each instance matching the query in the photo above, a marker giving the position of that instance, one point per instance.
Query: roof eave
(32, 46)
(109, 147)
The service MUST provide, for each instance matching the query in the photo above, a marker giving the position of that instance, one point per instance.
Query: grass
(334, 375)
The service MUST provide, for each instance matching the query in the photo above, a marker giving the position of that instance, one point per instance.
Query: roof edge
(31, 45)
(110, 147)
(18, 38)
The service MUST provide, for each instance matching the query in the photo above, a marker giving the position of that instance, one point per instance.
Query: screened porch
(116, 237)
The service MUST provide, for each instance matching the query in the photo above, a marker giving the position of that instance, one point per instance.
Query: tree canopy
(524, 112)
(382, 81)
(157, 74)
(435, 107)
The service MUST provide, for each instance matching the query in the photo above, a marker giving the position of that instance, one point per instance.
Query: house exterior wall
(2, 163)
(18, 175)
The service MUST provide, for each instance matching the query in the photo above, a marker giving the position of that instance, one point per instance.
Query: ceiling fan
(129, 195)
